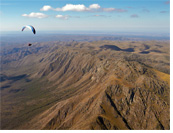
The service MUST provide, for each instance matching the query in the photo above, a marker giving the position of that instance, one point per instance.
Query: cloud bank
(82, 8)
(64, 17)
(35, 15)
(75, 8)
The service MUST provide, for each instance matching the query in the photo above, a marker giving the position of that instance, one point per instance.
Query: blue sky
(86, 15)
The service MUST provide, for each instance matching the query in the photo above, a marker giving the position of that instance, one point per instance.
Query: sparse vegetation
(86, 85)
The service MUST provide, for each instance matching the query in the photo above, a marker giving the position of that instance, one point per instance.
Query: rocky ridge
(99, 91)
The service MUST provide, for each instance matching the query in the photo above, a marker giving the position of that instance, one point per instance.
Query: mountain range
(86, 85)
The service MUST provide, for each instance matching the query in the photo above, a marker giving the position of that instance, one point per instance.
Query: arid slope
(86, 85)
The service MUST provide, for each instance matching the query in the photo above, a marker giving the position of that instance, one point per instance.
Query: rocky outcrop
(95, 89)
(125, 95)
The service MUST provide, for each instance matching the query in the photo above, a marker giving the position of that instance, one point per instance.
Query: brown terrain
(86, 85)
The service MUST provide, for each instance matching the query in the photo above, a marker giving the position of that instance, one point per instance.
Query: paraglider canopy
(29, 44)
(30, 27)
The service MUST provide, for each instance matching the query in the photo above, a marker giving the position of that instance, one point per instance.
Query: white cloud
(67, 7)
(35, 15)
(108, 9)
(46, 8)
(94, 6)
(65, 17)
(71, 7)
(82, 8)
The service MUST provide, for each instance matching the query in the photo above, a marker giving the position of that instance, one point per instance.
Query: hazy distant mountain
(16, 38)
(86, 85)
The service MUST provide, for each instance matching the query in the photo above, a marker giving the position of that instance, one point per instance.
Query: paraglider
(30, 27)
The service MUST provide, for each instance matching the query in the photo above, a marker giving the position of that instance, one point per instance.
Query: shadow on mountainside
(113, 47)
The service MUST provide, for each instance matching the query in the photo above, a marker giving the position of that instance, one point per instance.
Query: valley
(103, 84)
